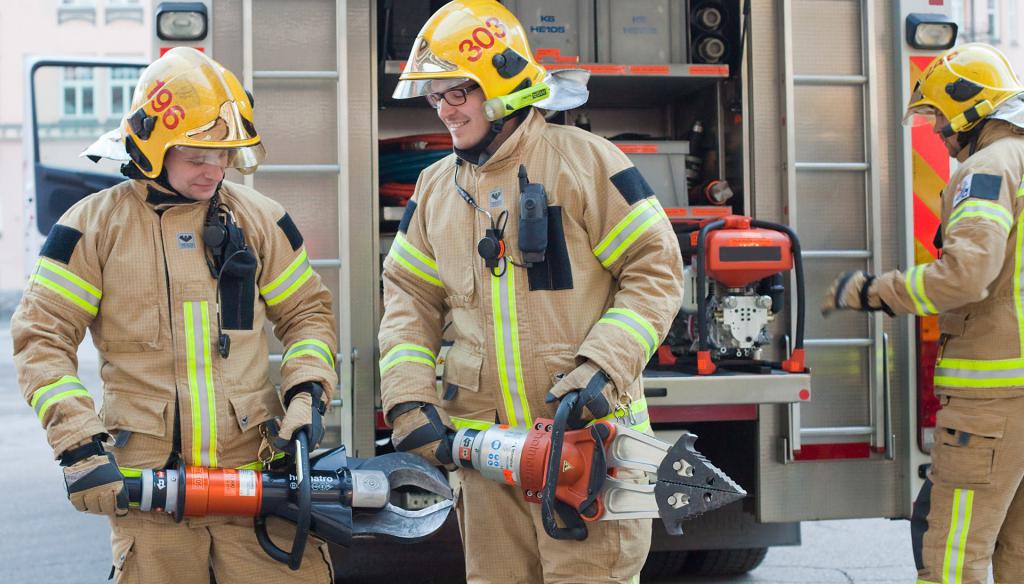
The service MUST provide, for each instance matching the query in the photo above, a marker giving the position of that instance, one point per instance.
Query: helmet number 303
(482, 38)
(162, 99)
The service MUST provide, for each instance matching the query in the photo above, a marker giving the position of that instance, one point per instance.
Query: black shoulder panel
(986, 186)
(61, 242)
(631, 185)
(407, 217)
(290, 231)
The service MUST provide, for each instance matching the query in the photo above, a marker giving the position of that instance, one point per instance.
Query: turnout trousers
(504, 541)
(151, 548)
(976, 508)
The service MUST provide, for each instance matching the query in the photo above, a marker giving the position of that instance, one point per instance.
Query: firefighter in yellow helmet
(175, 272)
(549, 255)
(974, 499)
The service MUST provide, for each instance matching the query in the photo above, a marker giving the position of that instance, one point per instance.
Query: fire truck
(786, 111)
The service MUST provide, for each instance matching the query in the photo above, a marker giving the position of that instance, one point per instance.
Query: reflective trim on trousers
(200, 384)
(57, 279)
(314, 347)
(283, 286)
(506, 340)
(420, 264)
(956, 541)
(983, 209)
(63, 388)
(914, 281)
(634, 324)
(618, 240)
(407, 353)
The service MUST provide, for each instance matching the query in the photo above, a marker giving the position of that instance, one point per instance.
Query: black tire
(662, 565)
(723, 562)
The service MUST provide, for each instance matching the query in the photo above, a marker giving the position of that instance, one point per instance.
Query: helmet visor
(423, 87)
(920, 115)
(228, 126)
(244, 159)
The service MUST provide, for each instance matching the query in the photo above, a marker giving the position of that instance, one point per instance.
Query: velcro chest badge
(186, 240)
(979, 186)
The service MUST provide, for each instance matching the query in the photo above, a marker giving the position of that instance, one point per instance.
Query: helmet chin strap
(478, 154)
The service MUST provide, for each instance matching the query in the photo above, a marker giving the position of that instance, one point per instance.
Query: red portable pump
(733, 287)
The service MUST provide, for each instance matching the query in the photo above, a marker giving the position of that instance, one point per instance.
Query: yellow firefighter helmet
(965, 84)
(479, 41)
(185, 98)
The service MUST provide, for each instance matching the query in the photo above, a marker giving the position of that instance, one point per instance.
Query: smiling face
(466, 122)
(195, 172)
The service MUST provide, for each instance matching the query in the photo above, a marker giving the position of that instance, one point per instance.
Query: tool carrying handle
(305, 508)
(575, 529)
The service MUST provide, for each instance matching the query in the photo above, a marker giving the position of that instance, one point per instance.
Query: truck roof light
(181, 21)
(930, 31)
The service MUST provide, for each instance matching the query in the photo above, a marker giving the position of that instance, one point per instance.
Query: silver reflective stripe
(295, 275)
(629, 229)
(407, 352)
(506, 335)
(956, 542)
(43, 398)
(635, 326)
(68, 285)
(200, 381)
(416, 261)
(1010, 374)
(309, 347)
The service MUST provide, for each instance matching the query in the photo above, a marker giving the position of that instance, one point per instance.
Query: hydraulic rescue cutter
(339, 499)
(571, 470)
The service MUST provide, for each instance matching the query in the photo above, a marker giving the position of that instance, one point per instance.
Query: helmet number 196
(162, 100)
(482, 38)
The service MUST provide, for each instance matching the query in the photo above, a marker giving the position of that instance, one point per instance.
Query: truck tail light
(927, 403)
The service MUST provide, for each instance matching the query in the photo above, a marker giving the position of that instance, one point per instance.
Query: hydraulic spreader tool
(571, 469)
(339, 499)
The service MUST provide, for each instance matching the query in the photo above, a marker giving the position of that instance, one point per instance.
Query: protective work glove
(93, 481)
(852, 290)
(422, 429)
(596, 390)
(299, 414)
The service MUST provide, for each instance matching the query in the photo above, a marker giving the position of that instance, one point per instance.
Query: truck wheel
(663, 565)
(723, 562)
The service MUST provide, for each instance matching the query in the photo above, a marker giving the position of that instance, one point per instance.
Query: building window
(1012, 23)
(76, 10)
(78, 88)
(992, 21)
(122, 84)
(123, 10)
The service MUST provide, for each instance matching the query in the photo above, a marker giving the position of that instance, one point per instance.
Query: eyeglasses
(453, 97)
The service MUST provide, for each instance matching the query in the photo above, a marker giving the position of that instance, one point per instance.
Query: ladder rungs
(833, 166)
(295, 75)
(836, 254)
(838, 431)
(838, 342)
(830, 79)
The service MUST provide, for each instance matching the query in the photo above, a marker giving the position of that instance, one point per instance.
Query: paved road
(43, 540)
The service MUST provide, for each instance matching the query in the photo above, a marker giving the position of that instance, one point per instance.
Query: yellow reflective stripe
(979, 373)
(47, 395)
(407, 353)
(314, 347)
(258, 464)
(625, 232)
(460, 423)
(636, 413)
(634, 324)
(914, 282)
(506, 338)
(414, 260)
(956, 540)
(983, 209)
(1018, 303)
(283, 286)
(200, 383)
(68, 285)
(130, 472)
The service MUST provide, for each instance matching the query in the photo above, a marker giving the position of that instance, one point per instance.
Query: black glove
(299, 414)
(852, 291)
(93, 481)
(591, 383)
(422, 429)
